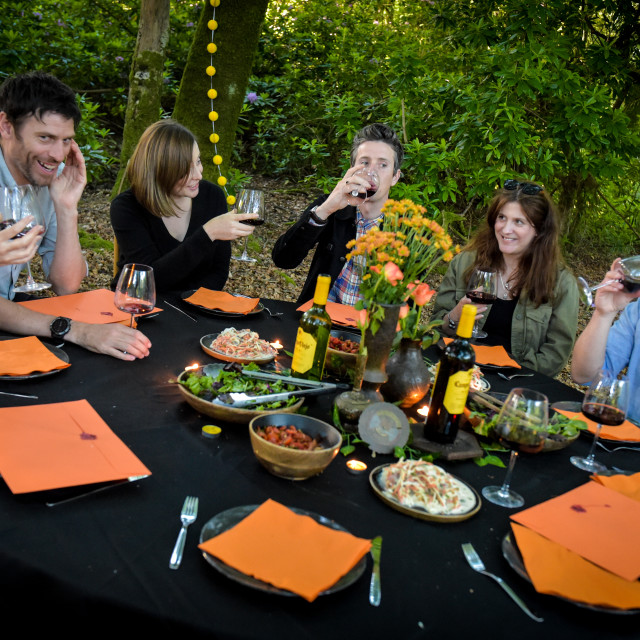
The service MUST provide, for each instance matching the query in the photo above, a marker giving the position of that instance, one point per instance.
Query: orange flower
(404, 310)
(422, 294)
(392, 273)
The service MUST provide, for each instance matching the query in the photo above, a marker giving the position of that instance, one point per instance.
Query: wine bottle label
(303, 352)
(457, 391)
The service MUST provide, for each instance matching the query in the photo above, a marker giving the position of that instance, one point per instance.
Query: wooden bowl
(228, 414)
(295, 464)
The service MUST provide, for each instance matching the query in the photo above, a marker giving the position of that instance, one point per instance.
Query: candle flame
(424, 411)
(276, 344)
(356, 465)
(192, 367)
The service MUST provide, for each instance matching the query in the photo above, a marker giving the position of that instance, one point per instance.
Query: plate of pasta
(423, 490)
(242, 346)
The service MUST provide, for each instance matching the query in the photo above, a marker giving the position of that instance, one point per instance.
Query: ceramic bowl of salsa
(342, 353)
(287, 461)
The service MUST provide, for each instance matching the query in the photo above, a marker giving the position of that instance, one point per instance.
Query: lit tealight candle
(192, 367)
(276, 344)
(356, 467)
(424, 411)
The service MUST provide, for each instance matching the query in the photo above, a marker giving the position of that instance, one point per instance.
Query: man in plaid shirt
(333, 220)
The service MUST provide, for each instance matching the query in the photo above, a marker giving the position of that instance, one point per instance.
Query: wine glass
(482, 288)
(250, 201)
(136, 290)
(26, 201)
(631, 281)
(374, 182)
(604, 402)
(521, 426)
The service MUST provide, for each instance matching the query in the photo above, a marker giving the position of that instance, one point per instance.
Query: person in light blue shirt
(612, 346)
(38, 117)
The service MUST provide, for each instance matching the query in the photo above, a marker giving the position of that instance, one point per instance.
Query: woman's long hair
(538, 268)
(162, 158)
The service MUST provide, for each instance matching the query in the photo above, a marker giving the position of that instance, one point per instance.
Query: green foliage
(94, 241)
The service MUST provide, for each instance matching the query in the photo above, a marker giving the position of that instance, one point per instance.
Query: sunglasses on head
(528, 188)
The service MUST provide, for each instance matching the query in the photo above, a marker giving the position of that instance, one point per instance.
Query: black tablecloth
(100, 564)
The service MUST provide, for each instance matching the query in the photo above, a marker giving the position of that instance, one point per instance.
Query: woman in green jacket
(536, 314)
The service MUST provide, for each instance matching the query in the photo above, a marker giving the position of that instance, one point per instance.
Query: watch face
(60, 326)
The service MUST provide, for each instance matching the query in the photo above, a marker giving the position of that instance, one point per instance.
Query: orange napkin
(594, 521)
(41, 448)
(626, 432)
(491, 355)
(95, 307)
(555, 570)
(23, 356)
(287, 550)
(626, 485)
(343, 314)
(223, 301)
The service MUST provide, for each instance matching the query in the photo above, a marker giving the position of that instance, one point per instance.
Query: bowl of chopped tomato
(292, 445)
(342, 353)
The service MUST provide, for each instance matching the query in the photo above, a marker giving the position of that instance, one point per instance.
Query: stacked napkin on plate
(342, 314)
(307, 568)
(496, 356)
(23, 356)
(583, 545)
(222, 301)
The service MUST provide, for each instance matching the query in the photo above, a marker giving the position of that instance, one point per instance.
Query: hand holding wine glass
(605, 402)
(482, 289)
(361, 193)
(136, 290)
(521, 426)
(250, 201)
(630, 280)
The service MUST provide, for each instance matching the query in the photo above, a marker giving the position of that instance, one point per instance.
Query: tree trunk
(236, 38)
(145, 81)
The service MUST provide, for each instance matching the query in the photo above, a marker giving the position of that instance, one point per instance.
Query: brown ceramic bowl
(295, 464)
(228, 414)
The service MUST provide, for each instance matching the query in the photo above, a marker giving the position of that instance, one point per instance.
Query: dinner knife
(100, 489)
(375, 591)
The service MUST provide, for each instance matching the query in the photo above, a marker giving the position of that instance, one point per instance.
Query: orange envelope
(626, 432)
(491, 355)
(560, 572)
(309, 559)
(223, 301)
(23, 356)
(598, 523)
(339, 313)
(94, 307)
(50, 446)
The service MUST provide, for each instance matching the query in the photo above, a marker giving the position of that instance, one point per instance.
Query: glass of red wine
(521, 426)
(482, 288)
(604, 402)
(374, 182)
(631, 281)
(250, 201)
(136, 290)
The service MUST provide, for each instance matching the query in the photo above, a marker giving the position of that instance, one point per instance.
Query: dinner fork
(277, 314)
(187, 517)
(514, 375)
(477, 565)
(616, 448)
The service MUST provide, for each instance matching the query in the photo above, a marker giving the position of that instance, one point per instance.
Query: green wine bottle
(451, 386)
(312, 339)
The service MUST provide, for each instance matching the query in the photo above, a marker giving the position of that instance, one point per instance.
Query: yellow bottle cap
(322, 290)
(468, 317)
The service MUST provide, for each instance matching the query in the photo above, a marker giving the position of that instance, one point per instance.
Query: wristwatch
(60, 327)
(319, 221)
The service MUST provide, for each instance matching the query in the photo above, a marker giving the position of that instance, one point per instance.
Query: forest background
(479, 91)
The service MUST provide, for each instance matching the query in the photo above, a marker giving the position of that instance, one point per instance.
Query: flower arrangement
(396, 262)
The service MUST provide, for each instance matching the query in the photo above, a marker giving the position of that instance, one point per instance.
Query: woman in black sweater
(171, 219)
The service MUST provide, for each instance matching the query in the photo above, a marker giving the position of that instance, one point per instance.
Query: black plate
(229, 518)
(512, 555)
(259, 308)
(57, 351)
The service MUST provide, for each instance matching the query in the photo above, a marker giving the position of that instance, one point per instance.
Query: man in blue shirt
(609, 345)
(38, 117)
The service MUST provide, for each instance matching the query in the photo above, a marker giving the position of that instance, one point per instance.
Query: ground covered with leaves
(284, 202)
